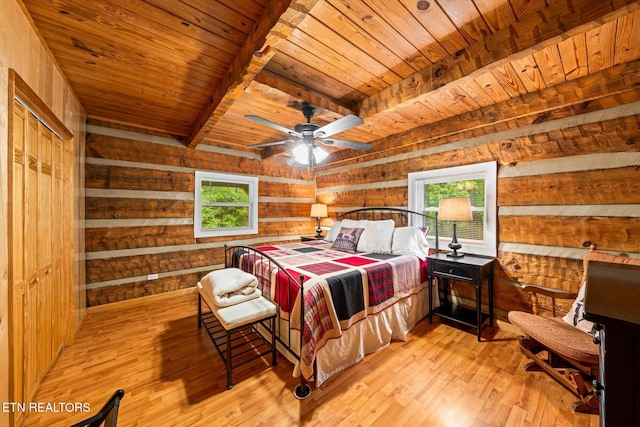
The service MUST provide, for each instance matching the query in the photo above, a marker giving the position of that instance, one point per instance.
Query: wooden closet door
(41, 242)
(40, 297)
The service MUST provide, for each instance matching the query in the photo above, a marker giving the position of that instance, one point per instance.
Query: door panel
(30, 344)
(17, 239)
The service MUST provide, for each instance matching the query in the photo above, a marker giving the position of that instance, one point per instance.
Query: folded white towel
(235, 298)
(231, 286)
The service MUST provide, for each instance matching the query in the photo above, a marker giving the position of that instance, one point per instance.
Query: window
(478, 182)
(225, 205)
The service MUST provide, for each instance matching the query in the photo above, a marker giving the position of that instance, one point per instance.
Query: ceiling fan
(304, 136)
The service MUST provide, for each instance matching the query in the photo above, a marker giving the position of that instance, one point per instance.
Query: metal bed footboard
(247, 258)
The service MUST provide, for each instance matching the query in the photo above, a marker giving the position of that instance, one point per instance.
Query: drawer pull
(451, 271)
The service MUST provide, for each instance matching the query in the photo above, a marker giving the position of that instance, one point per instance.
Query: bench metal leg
(274, 360)
(229, 368)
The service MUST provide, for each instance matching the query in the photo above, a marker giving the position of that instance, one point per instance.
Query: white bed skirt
(369, 335)
(373, 333)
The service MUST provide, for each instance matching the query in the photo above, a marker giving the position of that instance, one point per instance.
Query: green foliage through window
(224, 204)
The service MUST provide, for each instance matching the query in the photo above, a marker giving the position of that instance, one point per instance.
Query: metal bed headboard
(402, 217)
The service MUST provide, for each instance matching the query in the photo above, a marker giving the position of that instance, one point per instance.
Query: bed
(356, 299)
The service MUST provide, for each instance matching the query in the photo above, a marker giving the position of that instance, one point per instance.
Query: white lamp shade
(456, 209)
(319, 154)
(318, 210)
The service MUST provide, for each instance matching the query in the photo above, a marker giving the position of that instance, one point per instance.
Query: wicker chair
(572, 355)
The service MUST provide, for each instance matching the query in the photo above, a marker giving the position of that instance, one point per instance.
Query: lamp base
(318, 232)
(455, 254)
(454, 245)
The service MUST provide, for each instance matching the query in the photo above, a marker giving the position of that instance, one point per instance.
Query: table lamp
(318, 210)
(455, 209)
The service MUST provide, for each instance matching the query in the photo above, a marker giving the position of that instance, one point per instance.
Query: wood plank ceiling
(193, 68)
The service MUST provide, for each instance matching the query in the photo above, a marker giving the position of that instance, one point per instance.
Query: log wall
(22, 50)
(568, 177)
(569, 169)
(139, 211)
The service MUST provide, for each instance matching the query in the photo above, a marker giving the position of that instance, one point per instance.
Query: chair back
(606, 257)
(108, 414)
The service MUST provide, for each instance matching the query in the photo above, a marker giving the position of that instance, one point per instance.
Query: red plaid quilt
(340, 288)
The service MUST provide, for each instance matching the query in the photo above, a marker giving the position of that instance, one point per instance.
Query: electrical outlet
(152, 276)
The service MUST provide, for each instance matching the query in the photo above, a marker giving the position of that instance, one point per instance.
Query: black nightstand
(310, 238)
(472, 269)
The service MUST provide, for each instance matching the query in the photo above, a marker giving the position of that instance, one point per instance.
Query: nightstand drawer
(454, 271)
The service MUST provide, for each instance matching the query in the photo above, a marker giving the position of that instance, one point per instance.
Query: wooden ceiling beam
(546, 27)
(281, 17)
(289, 94)
(299, 91)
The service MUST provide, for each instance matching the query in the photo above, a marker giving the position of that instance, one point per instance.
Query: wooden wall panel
(116, 177)
(121, 267)
(611, 233)
(287, 228)
(280, 189)
(390, 196)
(145, 152)
(116, 238)
(108, 208)
(23, 51)
(610, 186)
(139, 211)
(141, 288)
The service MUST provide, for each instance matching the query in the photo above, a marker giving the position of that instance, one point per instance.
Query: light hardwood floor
(172, 376)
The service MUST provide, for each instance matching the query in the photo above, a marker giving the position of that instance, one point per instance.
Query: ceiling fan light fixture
(301, 154)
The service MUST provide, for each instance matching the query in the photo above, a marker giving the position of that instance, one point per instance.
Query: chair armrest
(553, 293)
(550, 292)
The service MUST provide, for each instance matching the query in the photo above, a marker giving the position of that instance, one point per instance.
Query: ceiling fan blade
(269, 144)
(362, 146)
(340, 125)
(272, 125)
(291, 161)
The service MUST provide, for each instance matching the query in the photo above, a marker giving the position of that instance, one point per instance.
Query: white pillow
(333, 232)
(575, 316)
(411, 241)
(377, 236)
(353, 223)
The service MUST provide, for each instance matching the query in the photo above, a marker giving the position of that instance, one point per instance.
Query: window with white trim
(478, 182)
(225, 205)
